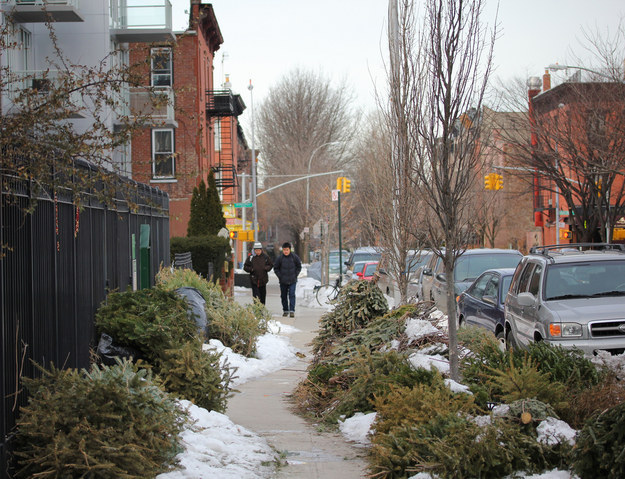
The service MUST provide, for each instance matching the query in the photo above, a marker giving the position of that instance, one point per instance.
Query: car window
(477, 289)
(534, 283)
(492, 288)
(505, 286)
(524, 280)
(597, 278)
(470, 266)
(370, 269)
(413, 263)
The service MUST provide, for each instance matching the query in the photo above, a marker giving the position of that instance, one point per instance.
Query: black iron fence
(56, 266)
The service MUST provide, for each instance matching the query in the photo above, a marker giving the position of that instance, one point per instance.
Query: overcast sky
(346, 39)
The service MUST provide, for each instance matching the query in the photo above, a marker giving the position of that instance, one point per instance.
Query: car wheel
(501, 340)
(509, 340)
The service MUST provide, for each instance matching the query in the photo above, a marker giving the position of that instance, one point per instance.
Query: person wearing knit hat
(258, 264)
(287, 268)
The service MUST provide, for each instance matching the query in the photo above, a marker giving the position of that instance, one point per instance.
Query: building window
(161, 67)
(217, 134)
(19, 45)
(163, 160)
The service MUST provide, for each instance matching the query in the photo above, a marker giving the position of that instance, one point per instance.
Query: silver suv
(570, 295)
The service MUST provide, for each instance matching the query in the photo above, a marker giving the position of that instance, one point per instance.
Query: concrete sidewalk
(265, 407)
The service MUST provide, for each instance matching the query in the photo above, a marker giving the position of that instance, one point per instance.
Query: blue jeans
(287, 294)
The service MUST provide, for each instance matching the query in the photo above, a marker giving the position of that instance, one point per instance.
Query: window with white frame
(217, 134)
(163, 159)
(19, 45)
(162, 71)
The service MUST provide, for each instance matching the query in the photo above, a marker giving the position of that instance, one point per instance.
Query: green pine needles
(109, 422)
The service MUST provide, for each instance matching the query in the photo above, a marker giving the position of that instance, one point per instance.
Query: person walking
(287, 268)
(258, 264)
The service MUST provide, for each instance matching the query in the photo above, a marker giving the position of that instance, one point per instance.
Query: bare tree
(60, 116)
(449, 68)
(304, 126)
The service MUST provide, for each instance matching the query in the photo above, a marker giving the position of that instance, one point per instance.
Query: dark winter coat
(258, 266)
(287, 268)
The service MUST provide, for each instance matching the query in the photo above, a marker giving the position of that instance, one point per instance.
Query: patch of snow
(358, 427)
(425, 361)
(216, 447)
(457, 387)
(553, 431)
(418, 328)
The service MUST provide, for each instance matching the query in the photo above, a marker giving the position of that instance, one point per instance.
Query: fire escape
(226, 106)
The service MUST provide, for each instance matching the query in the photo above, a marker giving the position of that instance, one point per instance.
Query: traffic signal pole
(340, 244)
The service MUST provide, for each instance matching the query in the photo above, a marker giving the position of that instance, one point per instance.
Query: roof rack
(545, 250)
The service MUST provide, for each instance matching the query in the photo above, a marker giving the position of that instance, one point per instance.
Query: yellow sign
(229, 211)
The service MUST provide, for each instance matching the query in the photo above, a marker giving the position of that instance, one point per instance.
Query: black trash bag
(196, 309)
(109, 351)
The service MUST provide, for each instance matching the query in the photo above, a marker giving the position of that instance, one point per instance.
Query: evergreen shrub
(150, 320)
(204, 250)
(236, 326)
(600, 446)
(357, 304)
(110, 422)
(190, 373)
(155, 322)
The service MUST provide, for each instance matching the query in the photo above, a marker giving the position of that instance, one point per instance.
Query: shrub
(416, 433)
(155, 321)
(110, 422)
(195, 375)
(150, 320)
(204, 250)
(370, 375)
(357, 304)
(600, 447)
(235, 325)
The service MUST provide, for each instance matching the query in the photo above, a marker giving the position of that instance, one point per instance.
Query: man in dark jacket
(287, 268)
(258, 264)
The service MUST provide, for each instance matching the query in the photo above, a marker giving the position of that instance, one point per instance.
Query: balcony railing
(223, 103)
(141, 20)
(38, 11)
(42, 83)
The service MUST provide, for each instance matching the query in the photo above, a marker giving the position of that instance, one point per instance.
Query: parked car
(357, 267)
(482, 303)
(424, 281)
(572, 298)
(368, 271)
(333, 261)
(415, 262)
(469, 266)
(366, 253)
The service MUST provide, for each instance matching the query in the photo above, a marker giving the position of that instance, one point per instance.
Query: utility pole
(254, 180)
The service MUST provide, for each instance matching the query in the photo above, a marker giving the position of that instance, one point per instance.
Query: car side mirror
(442, 277)
(382, 271)
(359, 275)
(490, 299)
(526, 299)
(427, 272)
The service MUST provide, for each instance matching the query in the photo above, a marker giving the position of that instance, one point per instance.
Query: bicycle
(328, 292)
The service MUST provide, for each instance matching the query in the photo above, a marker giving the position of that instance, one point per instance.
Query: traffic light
(339, 183)
(233, 234)
(498, 182)
(488, 182)
(346, 185)
(565, 234)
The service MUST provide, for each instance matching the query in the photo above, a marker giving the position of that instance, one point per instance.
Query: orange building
(198, 129)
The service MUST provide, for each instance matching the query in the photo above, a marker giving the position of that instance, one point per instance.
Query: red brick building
(198, 129)
(578, 137)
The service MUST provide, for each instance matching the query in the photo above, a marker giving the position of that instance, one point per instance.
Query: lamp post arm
(298, 179)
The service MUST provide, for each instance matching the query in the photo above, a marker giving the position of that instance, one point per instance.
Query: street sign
(335, 195)
(243, 205)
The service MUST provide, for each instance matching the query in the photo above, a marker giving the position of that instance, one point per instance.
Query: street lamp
(557, 67)
(308, 174)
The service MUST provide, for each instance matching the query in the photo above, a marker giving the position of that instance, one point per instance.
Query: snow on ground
(216, 447)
